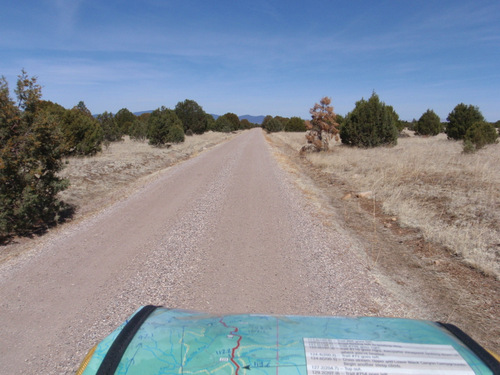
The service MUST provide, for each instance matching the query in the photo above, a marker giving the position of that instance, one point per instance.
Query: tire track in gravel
(224, 232)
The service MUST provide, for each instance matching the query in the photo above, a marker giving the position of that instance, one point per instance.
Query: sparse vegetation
(98, 180)
(427, 183)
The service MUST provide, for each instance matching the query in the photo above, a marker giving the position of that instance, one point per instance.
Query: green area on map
(182, 342)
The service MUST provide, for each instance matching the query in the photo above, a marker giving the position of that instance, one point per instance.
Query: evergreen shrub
(164, 127)
(428, 124)
(480, 134)
(460, 119)
(295, 124)
(372, 123)
(273, 125)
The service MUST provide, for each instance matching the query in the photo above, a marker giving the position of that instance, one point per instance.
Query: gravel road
(225, 232)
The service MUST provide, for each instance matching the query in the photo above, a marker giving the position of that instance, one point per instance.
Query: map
(182, 342)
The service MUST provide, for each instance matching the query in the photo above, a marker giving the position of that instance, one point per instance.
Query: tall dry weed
(428, 183)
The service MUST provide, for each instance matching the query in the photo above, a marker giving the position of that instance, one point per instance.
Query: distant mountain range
(142, 112)
(252, 119)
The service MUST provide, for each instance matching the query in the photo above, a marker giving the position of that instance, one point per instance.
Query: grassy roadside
(428, 184)
(101, 179)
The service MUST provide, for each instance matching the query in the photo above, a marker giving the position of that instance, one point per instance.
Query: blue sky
(257, 57)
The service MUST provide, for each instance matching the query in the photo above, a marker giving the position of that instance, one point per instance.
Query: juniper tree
(192, 115)
(233, 119)
(428, 124)
(295, 124)
(124, 119)
(223, 125)
(30, 157)
(462, 118)
(371, 123)
(161, 126)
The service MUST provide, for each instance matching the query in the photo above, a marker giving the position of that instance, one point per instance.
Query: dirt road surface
(225, 232)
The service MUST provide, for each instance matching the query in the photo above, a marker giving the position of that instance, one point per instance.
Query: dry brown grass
(429, 184)
(114, 172)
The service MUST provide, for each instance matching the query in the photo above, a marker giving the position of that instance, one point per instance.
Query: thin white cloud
(66, 15)
(76, 72)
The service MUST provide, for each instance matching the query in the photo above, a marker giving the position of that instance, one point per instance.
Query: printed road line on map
(235, 330)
